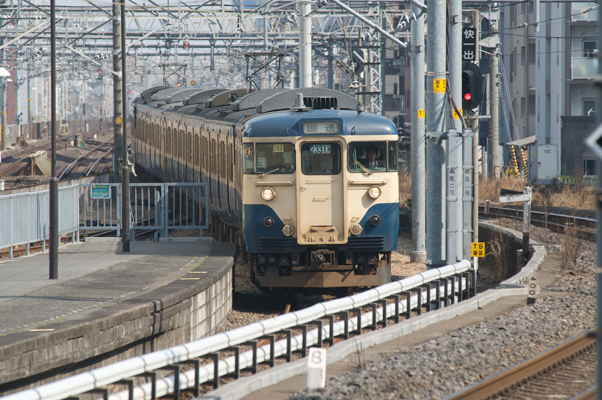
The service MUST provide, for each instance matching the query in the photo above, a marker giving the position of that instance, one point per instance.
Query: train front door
(320, 179)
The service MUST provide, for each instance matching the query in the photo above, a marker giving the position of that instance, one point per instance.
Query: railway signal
(471, 86)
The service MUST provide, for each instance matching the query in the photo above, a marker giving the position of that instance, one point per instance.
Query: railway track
(87, 162)
(584, 228)
(565, 371)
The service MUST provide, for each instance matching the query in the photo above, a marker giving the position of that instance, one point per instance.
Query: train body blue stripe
(255, 230)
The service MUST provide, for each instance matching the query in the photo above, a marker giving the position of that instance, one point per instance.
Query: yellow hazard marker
(421, 114)
(477, 249)
(118, 121)
(192, 83)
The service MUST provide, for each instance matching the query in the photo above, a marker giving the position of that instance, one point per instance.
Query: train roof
(291, 123)
(287, 109)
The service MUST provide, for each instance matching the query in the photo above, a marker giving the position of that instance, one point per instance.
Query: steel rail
(528, 369)
(584, 227)
(68, 169)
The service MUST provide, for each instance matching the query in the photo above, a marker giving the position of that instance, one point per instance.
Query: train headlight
(355, 229)
(288, 230)
(374, 192)
(268, 193)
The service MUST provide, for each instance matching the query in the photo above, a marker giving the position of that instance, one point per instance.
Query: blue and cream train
(304, 180)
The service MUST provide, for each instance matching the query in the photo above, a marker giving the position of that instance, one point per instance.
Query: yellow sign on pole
(439, 85)
(421, 114)
(192, 83)
(477, 249)
(118, 121)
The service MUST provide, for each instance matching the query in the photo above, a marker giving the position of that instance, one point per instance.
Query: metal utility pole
(435, 151)
(599, 235)
(418, 253)
(493, 145)
(305, 71)
(454, 142)
(117, 95)
(3, 98)
(29, 116)
(125, 171)
(54, 183)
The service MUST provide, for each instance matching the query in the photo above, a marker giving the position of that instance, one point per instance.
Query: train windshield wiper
(269, 172)
(366, 170)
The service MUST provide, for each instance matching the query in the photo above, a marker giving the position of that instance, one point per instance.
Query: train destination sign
(320, 127)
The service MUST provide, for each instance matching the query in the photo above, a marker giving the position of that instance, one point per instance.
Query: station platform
(107, 305)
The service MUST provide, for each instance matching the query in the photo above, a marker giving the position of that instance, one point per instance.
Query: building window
(531, 56)
(588, 48)
(522, 107)
(395, 88)
(531, 105)
(523, 54)
(589, 167)
(589, 107)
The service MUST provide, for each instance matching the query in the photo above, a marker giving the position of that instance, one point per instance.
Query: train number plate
(321, 127)
(320, 149)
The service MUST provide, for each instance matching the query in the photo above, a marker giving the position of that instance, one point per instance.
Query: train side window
(189, 148)
(368, 156)
(197, 148)
(168, 144)
(321, 158)
(205, 153)
(249, 154)
(392, 152)
(222, 146)
(230, 162)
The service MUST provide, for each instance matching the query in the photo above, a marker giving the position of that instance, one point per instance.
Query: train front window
(372, 156)
(273, 158)
(321, 158)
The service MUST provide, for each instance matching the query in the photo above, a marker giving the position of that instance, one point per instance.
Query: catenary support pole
(454, 192)
(53, 254)
(3, 98)
(435, 128)
(117, 96)
(305, 72)
(418, 253)
(125, 172)
(493, 151)
(599, 234)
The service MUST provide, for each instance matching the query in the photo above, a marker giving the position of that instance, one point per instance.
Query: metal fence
(153, 206)
(25, 218)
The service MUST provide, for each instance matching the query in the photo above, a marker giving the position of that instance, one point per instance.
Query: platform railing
(25, 219)
(433, 289)
(154, 206)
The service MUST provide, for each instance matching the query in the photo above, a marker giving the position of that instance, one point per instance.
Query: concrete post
(467, 176)
(418, 253)
(435, 128)
(454, 203)
(493, 149)
(454, 191)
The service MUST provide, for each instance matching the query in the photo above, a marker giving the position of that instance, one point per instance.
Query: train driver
(372, 161)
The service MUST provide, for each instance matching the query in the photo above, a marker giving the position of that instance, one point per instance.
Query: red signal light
(467, 96)
(100, 71)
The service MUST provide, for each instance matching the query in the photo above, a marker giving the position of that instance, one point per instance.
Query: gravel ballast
(450, 363)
